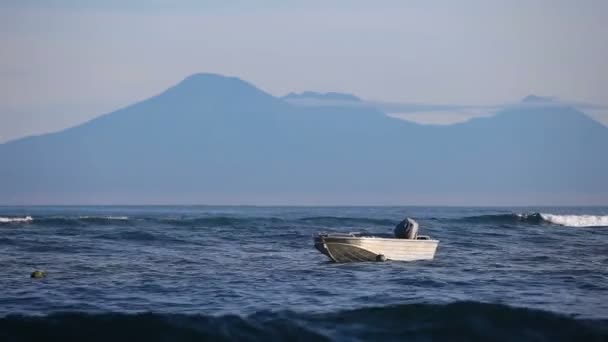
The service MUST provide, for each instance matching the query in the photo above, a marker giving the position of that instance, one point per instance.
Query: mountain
(332, 99)
(536, 99)
(331, 96)
(214, 139)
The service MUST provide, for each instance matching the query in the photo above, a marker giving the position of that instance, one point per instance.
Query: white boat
(406, 245)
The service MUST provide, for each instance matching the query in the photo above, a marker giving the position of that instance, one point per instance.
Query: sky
(65, 62)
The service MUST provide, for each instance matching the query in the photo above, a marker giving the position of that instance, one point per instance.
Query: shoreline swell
(460, 320)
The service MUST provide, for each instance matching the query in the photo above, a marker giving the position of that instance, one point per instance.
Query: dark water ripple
(418, 322)
(197, 267)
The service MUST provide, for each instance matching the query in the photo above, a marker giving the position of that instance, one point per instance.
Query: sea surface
(251, 273)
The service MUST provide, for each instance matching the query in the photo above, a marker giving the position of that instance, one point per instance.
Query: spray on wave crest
(542, 218)
(15, 219)
(577, 220)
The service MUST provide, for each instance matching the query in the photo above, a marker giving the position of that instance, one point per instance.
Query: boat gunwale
(324, 236)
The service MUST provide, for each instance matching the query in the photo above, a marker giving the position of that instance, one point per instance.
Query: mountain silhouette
(321, 96)
(214, 139)
(536, 99)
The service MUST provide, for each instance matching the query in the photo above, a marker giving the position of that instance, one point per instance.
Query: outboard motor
(407, 229)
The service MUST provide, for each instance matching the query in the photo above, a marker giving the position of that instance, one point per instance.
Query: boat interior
(369, 235)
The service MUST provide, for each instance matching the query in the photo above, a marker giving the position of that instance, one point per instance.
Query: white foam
(577, 220)
(16, 219)
(122, 218)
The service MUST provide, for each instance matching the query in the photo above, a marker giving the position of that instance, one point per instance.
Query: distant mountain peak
(537, 99)
(212, 89)
(203, 79)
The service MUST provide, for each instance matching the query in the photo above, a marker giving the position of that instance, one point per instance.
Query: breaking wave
(96, 218)
(325, 221)
(457, 321)
(577, 220)
(65, 221)
(210, 221)
(16, 219)
(542, 218)
(70, 221)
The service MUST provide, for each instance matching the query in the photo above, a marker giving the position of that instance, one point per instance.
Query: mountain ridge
(211, 137)
(321, 96)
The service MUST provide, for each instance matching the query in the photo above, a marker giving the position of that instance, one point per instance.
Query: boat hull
(352, 249)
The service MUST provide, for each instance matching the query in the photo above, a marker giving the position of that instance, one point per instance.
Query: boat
(405, 245)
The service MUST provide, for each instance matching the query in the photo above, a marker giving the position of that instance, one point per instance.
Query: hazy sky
(63, 62)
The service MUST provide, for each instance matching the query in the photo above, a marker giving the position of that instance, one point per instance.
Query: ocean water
(251, 273)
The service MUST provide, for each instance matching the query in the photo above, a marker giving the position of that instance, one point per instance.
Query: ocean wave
(457, 321)
(577, 220)
(66, 221)
(542, 218)
(82, 221)
(504, 218)
(138, 235)
(335, 220)
(212, 221)
(71, 221)
(96, 218)
(16, 219)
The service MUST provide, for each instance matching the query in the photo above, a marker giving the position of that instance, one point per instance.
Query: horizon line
(317, 205)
